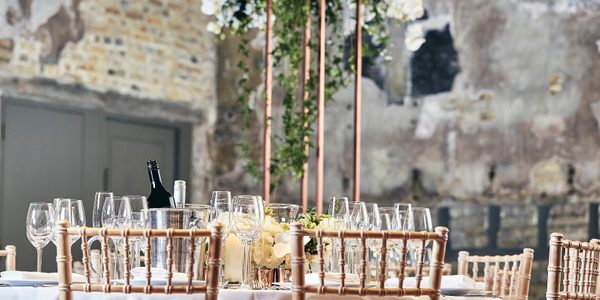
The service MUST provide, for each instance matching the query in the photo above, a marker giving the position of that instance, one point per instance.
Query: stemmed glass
(357, 219)
(247, 220)
(116, 213)
(221, 213)
(40, 227)
(72, 211)
(338, 210)
(421, 222)
(137, 220)
(99, 199)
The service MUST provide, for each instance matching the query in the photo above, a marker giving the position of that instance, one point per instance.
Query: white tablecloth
(51, 293)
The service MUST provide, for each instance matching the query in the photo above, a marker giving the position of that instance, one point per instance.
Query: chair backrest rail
(66, 286)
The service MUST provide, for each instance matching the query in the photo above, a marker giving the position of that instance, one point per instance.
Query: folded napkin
(21, 275)
(139, 273)
(331, 279)
(448, 282)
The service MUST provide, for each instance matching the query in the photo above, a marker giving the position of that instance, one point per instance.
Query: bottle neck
(155, 180)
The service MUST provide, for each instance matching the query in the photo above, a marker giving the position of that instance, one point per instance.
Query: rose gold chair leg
(437, 261)
(525, 274)
(297, 261)
(214, 263)
(63, 260)
(554, 267)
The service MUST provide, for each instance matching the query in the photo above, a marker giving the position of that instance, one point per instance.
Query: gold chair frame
(64, 259)
(576, 263)
(300, 289)
(506, 276)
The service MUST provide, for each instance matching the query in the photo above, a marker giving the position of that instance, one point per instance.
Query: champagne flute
(40, 227)
(247, 220)
(421, 222)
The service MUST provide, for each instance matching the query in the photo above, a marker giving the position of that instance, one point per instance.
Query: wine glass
(40, 227)
(421, 222)
(247, 221)
(338, 210)
(403, 215)
(220, 195)
(137, 203)
(116, 213)
(72, 211)
(99, 199)
(221, 213)
(357, 219)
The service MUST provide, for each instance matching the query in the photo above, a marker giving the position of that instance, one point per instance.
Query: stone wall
(152, 50)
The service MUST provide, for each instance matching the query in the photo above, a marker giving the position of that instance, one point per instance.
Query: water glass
(40, 227)
(247, 221)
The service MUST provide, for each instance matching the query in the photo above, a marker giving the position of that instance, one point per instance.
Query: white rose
(414, 37)
(213, 27)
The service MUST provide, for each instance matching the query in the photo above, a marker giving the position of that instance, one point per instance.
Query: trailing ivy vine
(244, 16)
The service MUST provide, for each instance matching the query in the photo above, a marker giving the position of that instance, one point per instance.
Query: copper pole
(268, 99)
(321, 108)
(305, 96)
(357, 101)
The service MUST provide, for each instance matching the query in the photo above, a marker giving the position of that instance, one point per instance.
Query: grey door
(49, 151)
(130, 145)
(43, 158)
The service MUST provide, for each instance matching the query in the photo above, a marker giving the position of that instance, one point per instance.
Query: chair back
(505, 276)
(10, 252)
(402, 239)
(63, 259)
(572, 269)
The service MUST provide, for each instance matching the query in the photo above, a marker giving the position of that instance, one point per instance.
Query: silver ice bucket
(177, 218)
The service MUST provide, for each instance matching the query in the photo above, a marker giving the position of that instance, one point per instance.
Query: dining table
(51, 293)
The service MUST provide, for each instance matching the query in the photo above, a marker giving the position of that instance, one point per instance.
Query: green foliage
(291, 16)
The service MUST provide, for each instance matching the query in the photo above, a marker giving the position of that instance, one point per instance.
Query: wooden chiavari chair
(63, 259)
(576, 263)
(10, 252)
(300, 289)
(505, 276)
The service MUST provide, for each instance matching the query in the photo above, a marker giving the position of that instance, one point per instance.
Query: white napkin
(331, 279)
(21, 275)
(448, 282)
(139, 273)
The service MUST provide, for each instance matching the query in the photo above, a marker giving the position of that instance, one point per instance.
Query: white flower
(213, 27)
(406, 10)
(271, 226)
(232, 258)
(414, 37)
(211, 7)
(413, 9)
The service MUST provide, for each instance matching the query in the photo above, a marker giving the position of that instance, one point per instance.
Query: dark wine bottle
(159, 196)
